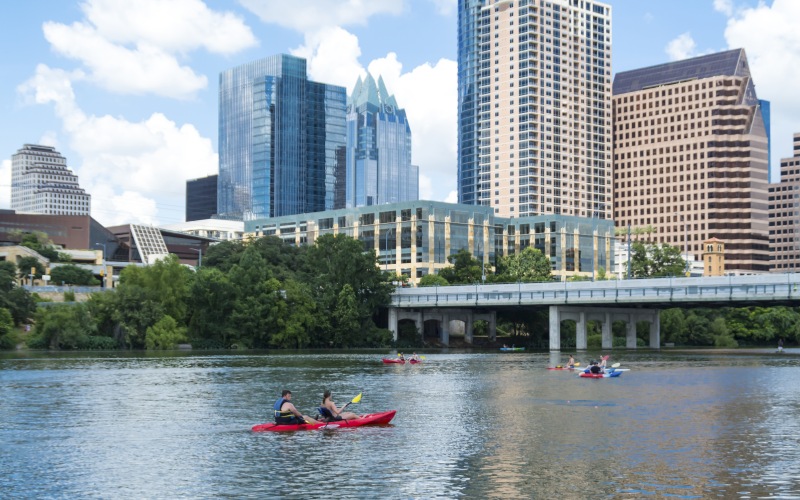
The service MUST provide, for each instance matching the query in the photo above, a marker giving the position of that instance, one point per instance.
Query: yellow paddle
(356, 399)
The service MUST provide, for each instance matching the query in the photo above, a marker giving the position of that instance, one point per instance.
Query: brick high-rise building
(784, 215)
(534, 107)
(691, 157)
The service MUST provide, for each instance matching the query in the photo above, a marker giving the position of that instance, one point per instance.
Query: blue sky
(127, 91)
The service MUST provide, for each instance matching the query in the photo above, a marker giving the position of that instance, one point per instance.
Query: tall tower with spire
(379, 168)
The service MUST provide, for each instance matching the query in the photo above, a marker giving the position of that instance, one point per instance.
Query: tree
(64, 326)
(211, 301)
(336, 261)
(432, 280)
(25, 264)
(165, 334)
(297, 318)
(166, 280)
(7, 338)
(73, 275)
(654, 261)
(464, 268)
(530, 265)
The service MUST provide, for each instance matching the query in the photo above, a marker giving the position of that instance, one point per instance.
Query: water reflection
(468, 425)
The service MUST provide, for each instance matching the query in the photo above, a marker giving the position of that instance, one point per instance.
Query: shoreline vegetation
(266, 294)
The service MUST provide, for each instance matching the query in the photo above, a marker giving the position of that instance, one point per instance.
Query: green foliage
(69, 296)
(19, 302)
(211, 301)
(167, 282)
(25, 265)
(464, 269)
(165, 334)
(432, 280)
(654, 261)
(8, 337)
(408, 336)
(601, 274)
(8, 275)
(64, 326)
(71, 274)
(528, 266)
(297, 315)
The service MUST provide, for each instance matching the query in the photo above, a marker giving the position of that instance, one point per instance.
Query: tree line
(269, 294)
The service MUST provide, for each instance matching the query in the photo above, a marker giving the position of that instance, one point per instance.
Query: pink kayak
(382, 418)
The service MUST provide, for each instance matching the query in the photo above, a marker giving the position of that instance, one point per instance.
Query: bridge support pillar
(580, 331)
(630, 332)
(419, 324)
(555, 328)
(393, 322)
(655, 331)
(444, 338)
(493, 326)
(469, 327)
(607, 336)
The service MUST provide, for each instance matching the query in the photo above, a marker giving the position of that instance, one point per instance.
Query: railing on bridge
(769, 288)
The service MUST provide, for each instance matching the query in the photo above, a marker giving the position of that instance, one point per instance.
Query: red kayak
(371, 419)
(397, 361)
(560, 368)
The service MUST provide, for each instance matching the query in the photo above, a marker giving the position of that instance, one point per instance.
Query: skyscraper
(784, 214)
(690, 157)
(41, 183)
(281, 140)
(379, 168)
(201, 198)
(534, 106)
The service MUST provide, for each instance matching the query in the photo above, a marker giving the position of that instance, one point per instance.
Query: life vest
(283, 416)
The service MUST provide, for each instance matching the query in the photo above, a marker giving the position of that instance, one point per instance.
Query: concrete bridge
(631, 301)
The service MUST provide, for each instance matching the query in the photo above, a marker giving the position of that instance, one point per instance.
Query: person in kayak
(402, 358)
(286, 413)
(571, 362)
(335, 412)
(594, 368)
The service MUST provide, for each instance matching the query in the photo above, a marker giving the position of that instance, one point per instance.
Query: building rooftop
(731, 62)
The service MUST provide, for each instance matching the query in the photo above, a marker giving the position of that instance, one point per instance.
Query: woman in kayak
(286, 413)
(336, 413)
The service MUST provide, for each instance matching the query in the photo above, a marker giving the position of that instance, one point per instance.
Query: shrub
(165, 334)
(69, 296)
(725, 341)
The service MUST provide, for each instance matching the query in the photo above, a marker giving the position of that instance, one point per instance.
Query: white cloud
(724, 6)
(332, 57)
(445, 7)
(682, 47)
(135, 171)
(452, 197)
(771, 39)
(130, 47)
(312, 15)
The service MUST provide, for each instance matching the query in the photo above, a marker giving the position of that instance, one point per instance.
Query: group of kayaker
(286, 413)
(413, 357)
(594, 366)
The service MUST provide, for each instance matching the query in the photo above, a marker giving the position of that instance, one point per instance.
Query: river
(468, 425)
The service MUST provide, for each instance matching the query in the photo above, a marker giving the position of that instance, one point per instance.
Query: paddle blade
(615, 365)
(577, 364)
(356, 399)
(422, 357)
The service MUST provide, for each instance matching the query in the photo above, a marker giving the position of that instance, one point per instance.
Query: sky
(127, 90)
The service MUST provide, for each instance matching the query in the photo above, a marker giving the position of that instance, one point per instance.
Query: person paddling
(286, 413)
(335, 412)
(571, 362)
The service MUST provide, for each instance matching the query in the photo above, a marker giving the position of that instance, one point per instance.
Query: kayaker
(595, 368)
(571, 362)
(402, 358)
(336, 413)
(780, 345)
(286, 413)
(414, 357)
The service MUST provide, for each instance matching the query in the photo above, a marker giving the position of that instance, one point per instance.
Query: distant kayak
(615, 373)
(512, 349)
(371, 419)
(396, 361)
(563, 368)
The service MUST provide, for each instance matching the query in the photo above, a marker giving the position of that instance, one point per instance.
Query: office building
(415, 238)
(784, 215)
(379, 168)
(281, 140)
(690, 157)
(201, 198)
(534, 107)
(41, 183)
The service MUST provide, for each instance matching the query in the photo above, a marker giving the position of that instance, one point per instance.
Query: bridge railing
(769, 287)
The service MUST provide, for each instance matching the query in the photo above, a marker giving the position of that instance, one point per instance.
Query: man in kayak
(286, 413)
(571, 362)
(595, 368)
(335, 412)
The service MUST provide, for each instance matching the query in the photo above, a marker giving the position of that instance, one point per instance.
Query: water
(468, 425)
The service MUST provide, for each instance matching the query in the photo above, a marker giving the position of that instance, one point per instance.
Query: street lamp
(199, 255)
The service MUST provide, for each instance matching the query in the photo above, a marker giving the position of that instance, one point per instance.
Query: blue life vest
(284, 416)
(327, 415)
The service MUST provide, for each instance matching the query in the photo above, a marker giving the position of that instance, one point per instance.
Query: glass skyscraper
(534, 107)
(379, 168)
(281, 140)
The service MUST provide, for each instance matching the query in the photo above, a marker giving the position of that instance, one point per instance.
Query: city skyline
(132, 106)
